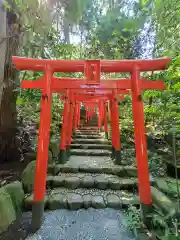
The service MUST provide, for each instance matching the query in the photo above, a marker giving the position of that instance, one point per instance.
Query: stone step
(63, 198)
(90, 152)
(87, 132)
(90, 124)
(121, 171)
(91, 180)
(89, 128)
(91, 146)
(86, 141)
(89, 136)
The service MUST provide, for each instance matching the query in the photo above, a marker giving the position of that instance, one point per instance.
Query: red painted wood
(59, 85)
(78, 65)
(43, 138)
(92, 71)
(105, 119)
(112, 123)
(140, 142)
(70, 124)
(64, 131)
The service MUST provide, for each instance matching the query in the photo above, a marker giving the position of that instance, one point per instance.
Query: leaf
(20, 101)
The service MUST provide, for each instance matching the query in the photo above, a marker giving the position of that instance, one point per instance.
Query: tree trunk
(2, 44)
(8, 148)
(66, 31)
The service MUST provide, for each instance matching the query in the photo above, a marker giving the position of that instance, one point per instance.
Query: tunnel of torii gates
(97, 95)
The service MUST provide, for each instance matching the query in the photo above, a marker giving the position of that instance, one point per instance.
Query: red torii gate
(92, 70)
(100, 99)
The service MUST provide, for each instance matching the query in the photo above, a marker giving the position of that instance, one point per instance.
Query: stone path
(89, 178)
(91, 224)
(92, 187)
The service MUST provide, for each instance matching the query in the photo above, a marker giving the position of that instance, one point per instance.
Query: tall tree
(10, 29)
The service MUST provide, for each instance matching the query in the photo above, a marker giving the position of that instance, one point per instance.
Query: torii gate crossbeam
(92, 70)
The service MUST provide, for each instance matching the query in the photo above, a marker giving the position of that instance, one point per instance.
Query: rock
(161, 201)
(69, 169)
(167, 185)
(16, 193)
(131, 171)
(30, 156)
(101, 182)
(58, 168)
(114, 183)
(83, 168)
(87, 199)
(57, 201)
(28, 202)
(98, 202)
(72, 182)
(51, 169)
(107, 170)
(162, 184)
(118, 170)
(58, 181)
(75, 201)
(127, 183)
(125, 201)
(28, 177)
(7, 210)
(54, 147)
(50, 158)
(113, 201)
(88, 182)
(49, 180)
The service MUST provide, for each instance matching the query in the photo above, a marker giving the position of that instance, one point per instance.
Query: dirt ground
(11, 171)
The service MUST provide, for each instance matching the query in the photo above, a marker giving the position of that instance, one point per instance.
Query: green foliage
(169, 229)
(113, 30)
(133, 219)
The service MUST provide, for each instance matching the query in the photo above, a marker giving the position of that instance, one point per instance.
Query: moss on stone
(7, 210)
(16, 192)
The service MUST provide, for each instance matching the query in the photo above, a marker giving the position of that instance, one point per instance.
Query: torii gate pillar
(140, 143)
(42, 152)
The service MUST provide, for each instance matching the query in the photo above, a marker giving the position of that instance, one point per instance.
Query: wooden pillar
(42, 152)
(140, 142)
(86, 114)
(79, 115)
(116, 129)
(105, 121)
(112, 128)
(75, 116)
(70, 125)
(64, 133)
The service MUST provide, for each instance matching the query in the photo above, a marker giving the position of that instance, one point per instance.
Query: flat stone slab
(90, 152)
(113, 201)
(91, 146)
(91, 224)
(72, 182)
(75, 201)
(101, 182)
(98, 202)
(57, 201)
(88, 181)
(92, 180)
(65, 198)
(87, 200)
(93, 165)
(89, 136)
(88, 140)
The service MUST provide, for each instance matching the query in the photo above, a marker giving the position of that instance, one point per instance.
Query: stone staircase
(89, 178)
